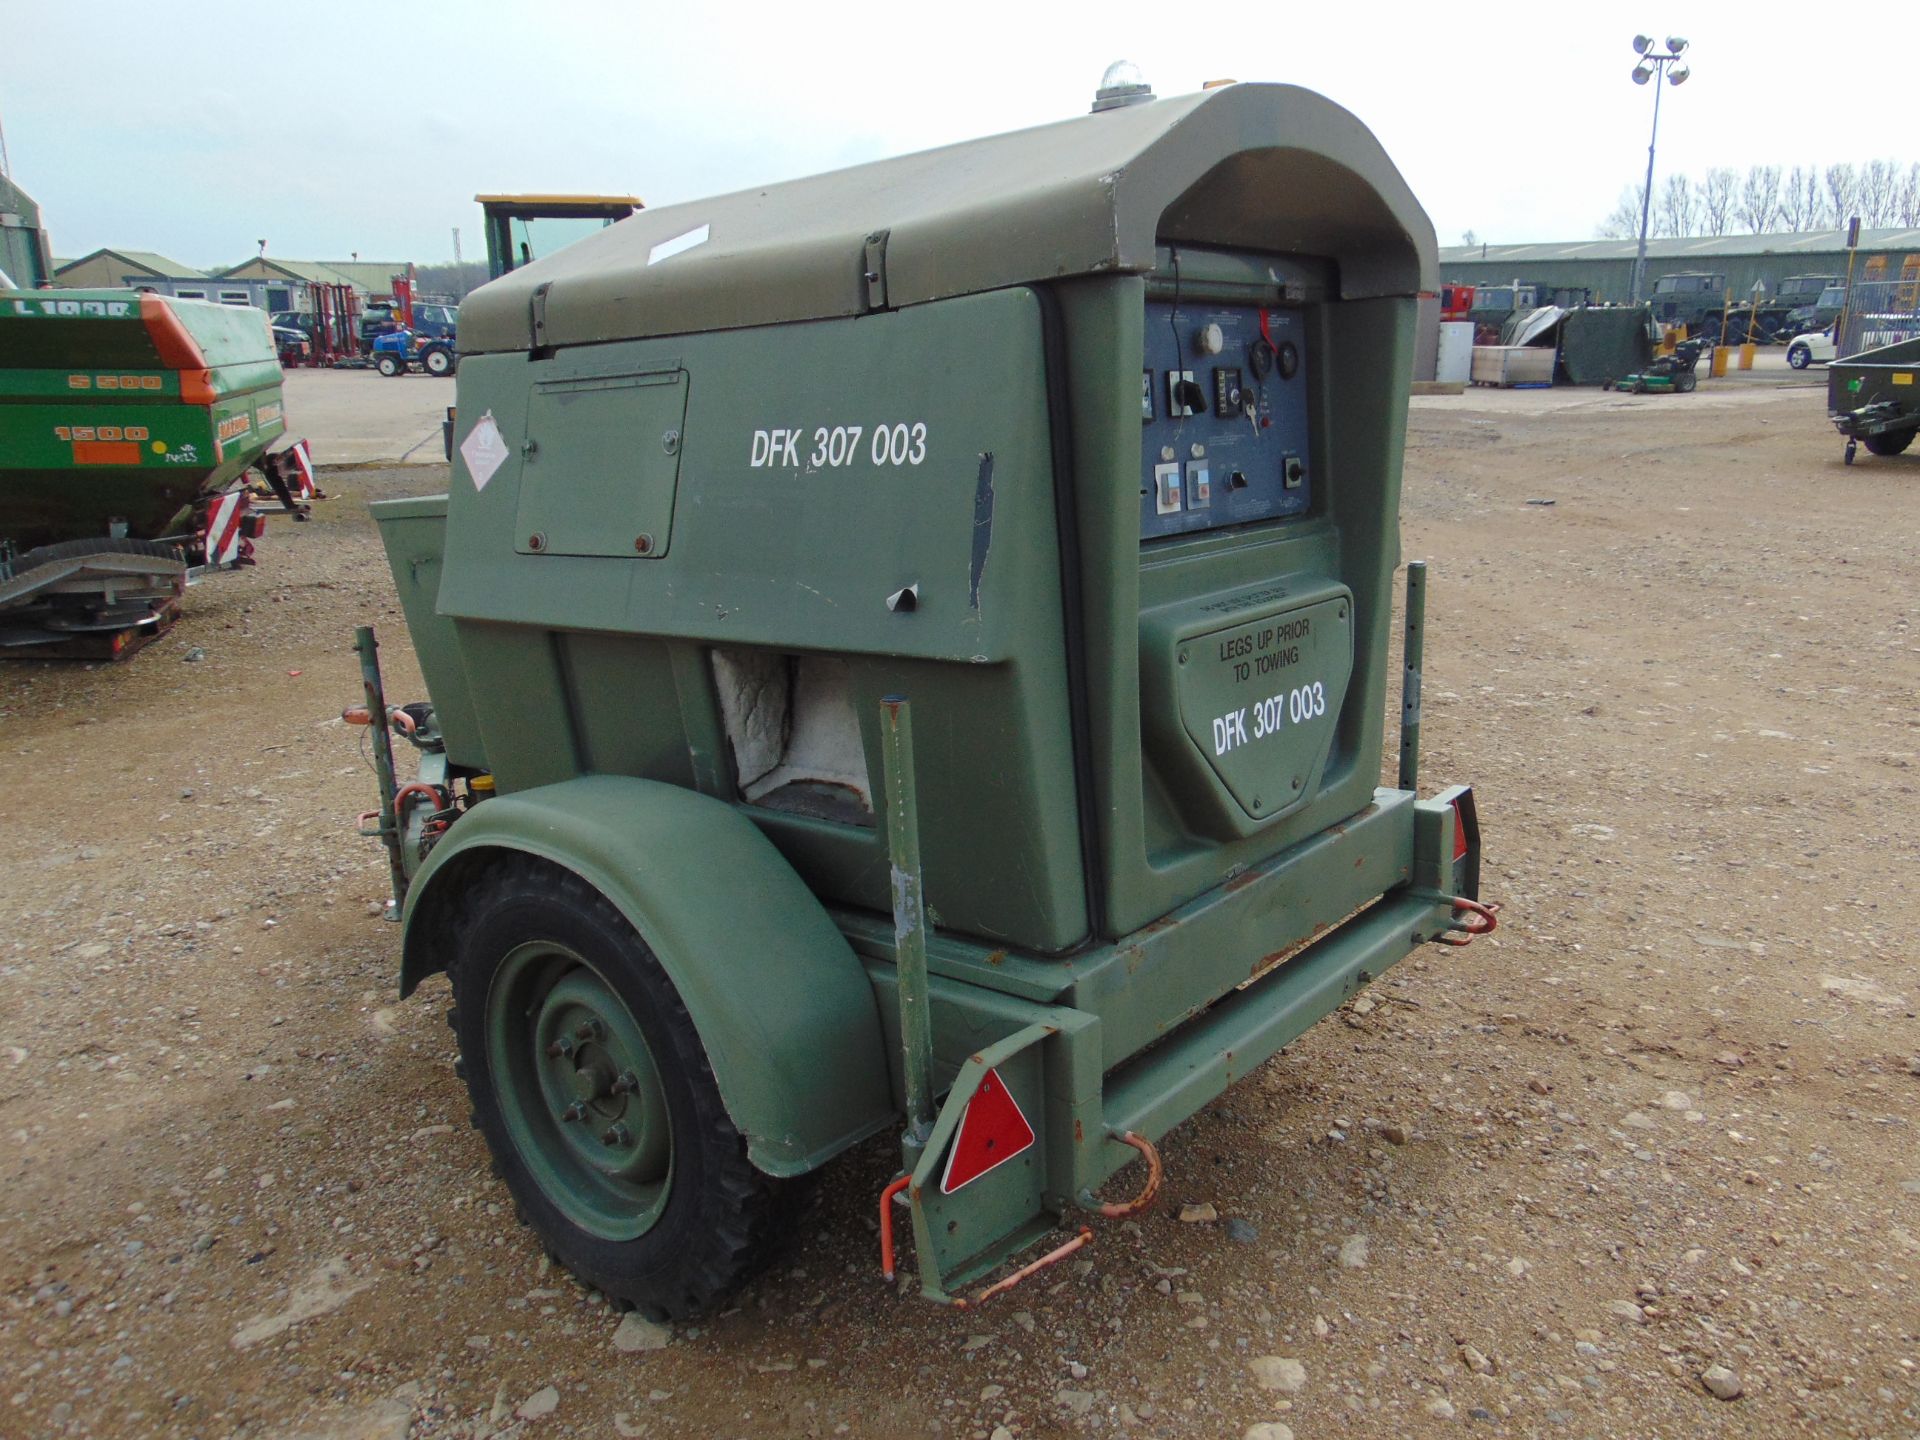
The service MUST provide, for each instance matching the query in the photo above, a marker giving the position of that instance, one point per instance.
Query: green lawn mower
(1667, 374)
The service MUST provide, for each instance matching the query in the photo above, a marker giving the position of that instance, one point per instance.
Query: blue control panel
(1223, 417)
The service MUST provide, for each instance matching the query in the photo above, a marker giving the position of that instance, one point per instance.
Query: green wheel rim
(579, 1091)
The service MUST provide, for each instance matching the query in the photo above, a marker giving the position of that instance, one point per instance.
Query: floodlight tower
(1651, 67)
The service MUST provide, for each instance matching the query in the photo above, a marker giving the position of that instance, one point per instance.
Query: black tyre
(1684, 381)
(68, 549)
(438, 361)
(1799, 356)
(1890, 442)
(389, 364)
(596, 1097)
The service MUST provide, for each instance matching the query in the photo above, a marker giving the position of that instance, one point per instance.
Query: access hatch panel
(1260, 700)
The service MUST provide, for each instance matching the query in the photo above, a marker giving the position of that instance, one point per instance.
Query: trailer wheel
(1891, 442)
(389, 364)
(438, 361)
(597, 1099)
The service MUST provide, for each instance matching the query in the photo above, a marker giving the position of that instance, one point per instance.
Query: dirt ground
(1663, 1121)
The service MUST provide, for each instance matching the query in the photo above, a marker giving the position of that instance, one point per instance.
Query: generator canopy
(1271, 168)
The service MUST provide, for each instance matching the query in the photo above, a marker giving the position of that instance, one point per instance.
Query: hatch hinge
(538, 315)
(874, 270)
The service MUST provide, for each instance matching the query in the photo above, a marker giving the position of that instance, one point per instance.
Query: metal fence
(1879, 312)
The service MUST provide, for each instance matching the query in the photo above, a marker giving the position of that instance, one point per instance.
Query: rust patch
(994, 957)
(1079, 1132)
(1242, 880)
(1154, 927)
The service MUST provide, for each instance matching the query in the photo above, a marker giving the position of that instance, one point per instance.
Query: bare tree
(1759, 207)
(1907, 205)
(1679, 208)
(1879, 189)
(1623, 221)
(1469, 238)
(1843, 193)
(1800, 201)
(1717, 193)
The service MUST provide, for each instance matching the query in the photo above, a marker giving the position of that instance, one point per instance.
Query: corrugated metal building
(371, 279)
(109, 269)
(1606, 266)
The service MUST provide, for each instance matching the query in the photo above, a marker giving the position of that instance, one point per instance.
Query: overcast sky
(198, 129)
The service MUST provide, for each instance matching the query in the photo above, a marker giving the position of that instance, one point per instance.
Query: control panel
(1223, 417)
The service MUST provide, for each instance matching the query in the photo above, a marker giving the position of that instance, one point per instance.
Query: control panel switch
(1199, 486)
(1166, 489)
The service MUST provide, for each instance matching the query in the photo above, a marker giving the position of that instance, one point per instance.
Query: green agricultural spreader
(909, 650)
(129, 424)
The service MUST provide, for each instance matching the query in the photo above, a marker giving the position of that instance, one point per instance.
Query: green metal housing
(730, 474)
(121, 406)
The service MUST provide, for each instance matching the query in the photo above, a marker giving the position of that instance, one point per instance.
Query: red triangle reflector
(1459, 833)
(992, 1132)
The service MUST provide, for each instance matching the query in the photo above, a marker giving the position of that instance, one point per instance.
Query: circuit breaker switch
(1166, 489)
(1199, 485)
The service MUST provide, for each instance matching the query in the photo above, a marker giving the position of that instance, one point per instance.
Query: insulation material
(791, 722)
(756, 704)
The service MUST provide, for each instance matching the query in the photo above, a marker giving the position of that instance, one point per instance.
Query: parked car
(1813, 348)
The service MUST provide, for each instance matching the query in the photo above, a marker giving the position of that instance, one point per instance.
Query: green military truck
(908, 652)
(129, 425)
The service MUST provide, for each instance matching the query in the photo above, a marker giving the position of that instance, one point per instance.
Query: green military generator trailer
(129, 426)
(908, 649)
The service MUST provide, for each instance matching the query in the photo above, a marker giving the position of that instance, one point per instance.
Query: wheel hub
(579, 1090)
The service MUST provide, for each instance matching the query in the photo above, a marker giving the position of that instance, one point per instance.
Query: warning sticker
(484, 450)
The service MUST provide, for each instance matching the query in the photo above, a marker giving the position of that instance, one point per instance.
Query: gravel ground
(1650, 1146)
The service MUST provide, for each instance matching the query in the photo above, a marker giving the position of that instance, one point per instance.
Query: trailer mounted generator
(908, 652)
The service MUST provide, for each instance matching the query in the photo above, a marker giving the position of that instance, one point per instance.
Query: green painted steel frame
(1143, 1033)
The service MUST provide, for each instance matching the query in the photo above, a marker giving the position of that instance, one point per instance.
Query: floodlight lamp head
(1642, 44)
(1675, 44)
(1677, 74)
(1642, 73)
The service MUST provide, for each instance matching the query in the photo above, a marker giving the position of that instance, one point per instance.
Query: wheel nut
(590, 1030)
(575, 1111)
(562, 1046)
(627, 1083)
(616, 1135)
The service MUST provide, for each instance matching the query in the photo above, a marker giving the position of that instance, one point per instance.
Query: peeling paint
(982, 528)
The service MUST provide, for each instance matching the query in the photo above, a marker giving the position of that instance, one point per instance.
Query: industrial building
(264, 283)
(1605, 267)
(288, 279)
(108, 269)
